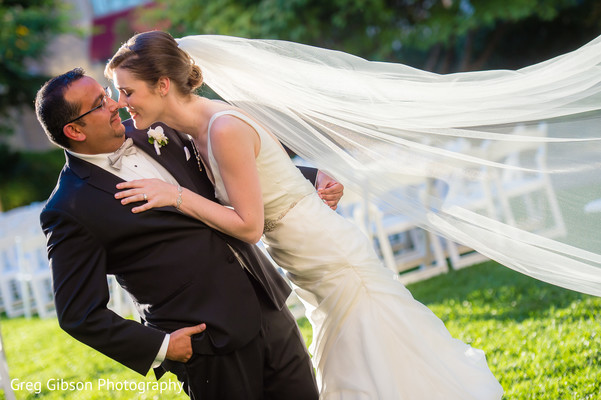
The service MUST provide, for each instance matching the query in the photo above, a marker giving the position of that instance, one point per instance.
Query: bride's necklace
(195, 150)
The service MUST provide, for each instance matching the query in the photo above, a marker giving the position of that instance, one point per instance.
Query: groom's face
(99, 131)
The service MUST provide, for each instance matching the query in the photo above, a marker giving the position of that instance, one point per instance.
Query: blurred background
(43, 38)
(543, 342)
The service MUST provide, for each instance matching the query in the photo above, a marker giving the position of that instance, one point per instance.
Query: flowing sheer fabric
(505, 162)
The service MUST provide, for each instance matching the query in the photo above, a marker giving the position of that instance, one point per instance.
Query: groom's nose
(119, 103)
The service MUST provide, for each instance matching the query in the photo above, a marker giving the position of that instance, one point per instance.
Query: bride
(371, 340)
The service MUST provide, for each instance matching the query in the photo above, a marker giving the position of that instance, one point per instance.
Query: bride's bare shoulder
(234, 123)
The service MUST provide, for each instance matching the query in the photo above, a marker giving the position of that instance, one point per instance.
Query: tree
(26, 27)
(438, 35)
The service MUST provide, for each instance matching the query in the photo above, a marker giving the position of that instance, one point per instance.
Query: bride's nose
(122, 100)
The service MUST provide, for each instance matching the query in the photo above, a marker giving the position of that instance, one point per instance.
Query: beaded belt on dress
(271, 223)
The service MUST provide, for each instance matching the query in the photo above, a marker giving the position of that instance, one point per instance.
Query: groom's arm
(309, 173)
(81, 295)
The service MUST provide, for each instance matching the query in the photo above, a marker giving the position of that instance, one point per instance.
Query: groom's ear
(73, 131)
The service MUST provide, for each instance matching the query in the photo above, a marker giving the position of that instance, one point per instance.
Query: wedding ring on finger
(145, 197)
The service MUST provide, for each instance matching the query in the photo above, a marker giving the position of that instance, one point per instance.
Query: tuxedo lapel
(93, 175)
(180, 163)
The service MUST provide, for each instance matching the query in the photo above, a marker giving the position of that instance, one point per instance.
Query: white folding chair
(10, 289)
(15, 224)
(520, 195)
(470, 190)
(35, 276)
(21, 221)
(120, 301)
(405, 248)
(526, 195)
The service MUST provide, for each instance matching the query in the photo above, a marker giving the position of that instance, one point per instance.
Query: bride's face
(144, 103)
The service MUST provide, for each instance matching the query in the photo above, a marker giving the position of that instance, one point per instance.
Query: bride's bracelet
(178, 202)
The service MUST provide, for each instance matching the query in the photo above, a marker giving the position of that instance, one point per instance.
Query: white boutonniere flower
(156, 136)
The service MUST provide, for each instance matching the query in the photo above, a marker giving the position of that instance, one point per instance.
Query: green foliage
(542, 342)
(443, 36)
(26, 28)
(27, 177)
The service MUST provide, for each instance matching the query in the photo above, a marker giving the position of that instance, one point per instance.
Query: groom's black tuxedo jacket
(178, 271)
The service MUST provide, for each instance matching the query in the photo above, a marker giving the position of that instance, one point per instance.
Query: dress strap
(236, 114)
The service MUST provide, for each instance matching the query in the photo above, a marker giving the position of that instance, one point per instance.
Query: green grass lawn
(542, 342)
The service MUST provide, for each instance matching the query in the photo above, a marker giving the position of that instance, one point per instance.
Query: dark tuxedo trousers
(178, 271)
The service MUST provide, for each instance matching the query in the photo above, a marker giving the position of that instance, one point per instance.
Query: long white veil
(505, 162)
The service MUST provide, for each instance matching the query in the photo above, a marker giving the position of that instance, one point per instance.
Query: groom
(213, 308)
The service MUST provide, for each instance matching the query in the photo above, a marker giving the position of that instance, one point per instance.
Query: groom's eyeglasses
(108, 93)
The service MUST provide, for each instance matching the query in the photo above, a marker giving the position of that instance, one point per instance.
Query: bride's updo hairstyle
(155, 54)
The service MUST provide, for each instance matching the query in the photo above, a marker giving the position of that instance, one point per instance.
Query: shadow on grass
(491, 291)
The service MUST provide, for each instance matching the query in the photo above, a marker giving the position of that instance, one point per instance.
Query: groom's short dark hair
(53, 111)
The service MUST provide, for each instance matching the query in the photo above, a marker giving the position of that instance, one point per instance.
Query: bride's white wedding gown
(371, 338)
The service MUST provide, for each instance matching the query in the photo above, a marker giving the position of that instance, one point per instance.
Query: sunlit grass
(39, 352)
(542, 342)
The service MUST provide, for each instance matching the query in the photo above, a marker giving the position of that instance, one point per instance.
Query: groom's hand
(180, 344)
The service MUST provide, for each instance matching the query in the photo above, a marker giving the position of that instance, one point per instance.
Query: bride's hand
(155, 193)
(329, 189)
